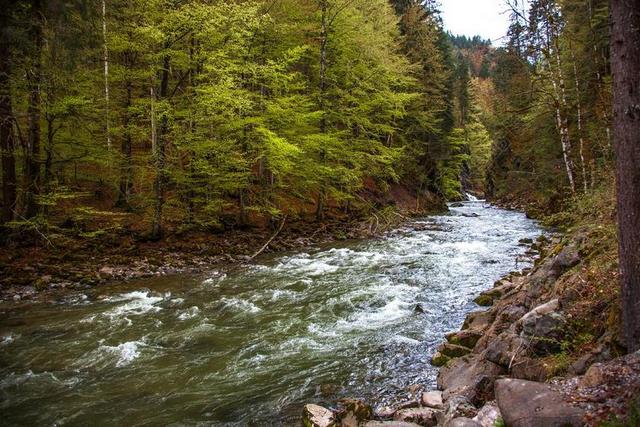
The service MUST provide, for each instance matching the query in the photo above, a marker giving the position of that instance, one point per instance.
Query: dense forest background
(172, 115)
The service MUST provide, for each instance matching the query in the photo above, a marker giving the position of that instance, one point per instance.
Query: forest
(151, 139)
(209, 115)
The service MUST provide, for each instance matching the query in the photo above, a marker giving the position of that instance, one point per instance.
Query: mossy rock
(453, 350)
(439, 359)
(467, 338)
(484, 300)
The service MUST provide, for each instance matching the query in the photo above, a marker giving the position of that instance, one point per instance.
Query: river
(251, 346)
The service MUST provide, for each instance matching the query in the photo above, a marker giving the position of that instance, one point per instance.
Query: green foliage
(215, 110)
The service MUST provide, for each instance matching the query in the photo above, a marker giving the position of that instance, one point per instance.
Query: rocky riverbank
(66, 263)
(546, 353)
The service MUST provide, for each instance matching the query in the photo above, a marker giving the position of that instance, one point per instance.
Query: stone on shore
(453, 350)
(421, 416)
(471, 377)
(317, 416)
(488, 415)
(543, 327)
(432, 399)
(462, 422)
(479, 320)
(466, 338)
(531, 404)
(439, 359)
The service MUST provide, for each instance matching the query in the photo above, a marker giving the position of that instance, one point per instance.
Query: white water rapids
(251, 346)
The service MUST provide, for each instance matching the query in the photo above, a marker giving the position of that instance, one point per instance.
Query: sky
(486, 18)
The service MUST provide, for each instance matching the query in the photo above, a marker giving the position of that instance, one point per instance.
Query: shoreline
(41, 273)
(522, 348)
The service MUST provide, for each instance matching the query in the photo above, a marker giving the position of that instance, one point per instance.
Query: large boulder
(470, 377)
(504, 349)
(568, 257)
(531, 404)
(543, 328)
(317, 416)
(479, 320)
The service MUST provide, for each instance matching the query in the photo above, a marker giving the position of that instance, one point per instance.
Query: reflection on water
(249, 347)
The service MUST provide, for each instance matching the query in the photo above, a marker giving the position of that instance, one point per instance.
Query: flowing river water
(250, 347)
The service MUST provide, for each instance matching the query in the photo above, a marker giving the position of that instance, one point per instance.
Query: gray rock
(543, 328)
(531, 404)
(317, 416)
(488, 415)
(504, 349)
(456, 407)
(422, 416)
(470, 377)
(462, 422)
(568, 257)
(432, 399)
(600, 354)
(479, 320)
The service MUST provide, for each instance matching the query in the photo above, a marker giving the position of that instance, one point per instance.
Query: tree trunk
(324, 40)
(106, 72)
(34, 77)
(126, 175)
(160, 155)
(625, 60)
(583, 165)
(7, 141)
(563, 120)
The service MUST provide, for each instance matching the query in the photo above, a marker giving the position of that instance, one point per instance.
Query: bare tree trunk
(625, 61)
(160, 155)
(106, 72)
(580, 133)
(7, 141)
(561, 115)
(34, 78)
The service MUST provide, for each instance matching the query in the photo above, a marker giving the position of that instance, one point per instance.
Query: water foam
(237, 304)
(138, 302)
(8, 339)
(189, 313)
(126, 352)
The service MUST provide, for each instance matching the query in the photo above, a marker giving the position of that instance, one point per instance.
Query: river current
(252, 345)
